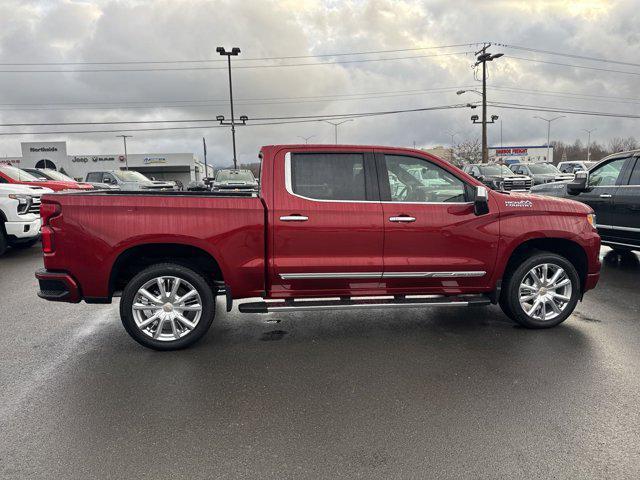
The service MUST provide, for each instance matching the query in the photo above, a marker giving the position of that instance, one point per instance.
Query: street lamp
(549, 120)
(126, 158)
(452, 135)
(335, 127)
(306, 139)
(589, 142)
(234, 52)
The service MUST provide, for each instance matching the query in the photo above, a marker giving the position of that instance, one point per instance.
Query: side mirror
(579, 183)
(481, 201)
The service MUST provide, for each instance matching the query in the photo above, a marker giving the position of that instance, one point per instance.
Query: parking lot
(457, 393)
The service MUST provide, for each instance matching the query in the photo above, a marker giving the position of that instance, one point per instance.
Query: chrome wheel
(167, 308)
(545, 292)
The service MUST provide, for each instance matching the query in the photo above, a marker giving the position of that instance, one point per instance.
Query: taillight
(48, 210)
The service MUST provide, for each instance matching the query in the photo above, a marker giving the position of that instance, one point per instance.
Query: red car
(332, 227)
(11, 174)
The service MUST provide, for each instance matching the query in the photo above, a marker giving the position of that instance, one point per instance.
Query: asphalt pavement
(437, 393)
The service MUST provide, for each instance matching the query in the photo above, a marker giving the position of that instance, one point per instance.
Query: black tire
(25, 244)
(198, 282)
(3, 240)
(622, 251)
(510, 303)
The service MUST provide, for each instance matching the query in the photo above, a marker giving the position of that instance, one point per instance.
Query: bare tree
(619, 144)
(468, 151)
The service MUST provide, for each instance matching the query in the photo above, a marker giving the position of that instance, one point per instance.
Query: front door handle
(403, 218)
(605, 195)
(294, 218)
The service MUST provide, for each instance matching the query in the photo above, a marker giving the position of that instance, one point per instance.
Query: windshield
(130, 176)
(235, 176)
(55, 175)
(495, 170)
(16, 174)
(542, 168)
(588, 165)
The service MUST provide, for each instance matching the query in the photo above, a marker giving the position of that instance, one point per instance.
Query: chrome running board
(355, 303)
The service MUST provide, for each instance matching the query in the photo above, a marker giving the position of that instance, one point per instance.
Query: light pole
(126, 158)
(589, 141)
(306, 139)
(549, 120)
(234, 52)
(452, 135)
(335, 127)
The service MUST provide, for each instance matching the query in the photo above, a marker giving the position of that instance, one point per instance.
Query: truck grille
(515, 184)
(35, 206)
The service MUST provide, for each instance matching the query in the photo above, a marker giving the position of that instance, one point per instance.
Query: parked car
(612, 189)
(498, 177)
(573, 167)
(45, 174)
(540, 172)
(14, 175)
(19, 215)
(229, 179)
(325, 231)
(129, 180)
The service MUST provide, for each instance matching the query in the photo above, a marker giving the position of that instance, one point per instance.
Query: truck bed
(95, 230)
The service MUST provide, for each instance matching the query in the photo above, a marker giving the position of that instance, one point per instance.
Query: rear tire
(180, 307)
(542, 291)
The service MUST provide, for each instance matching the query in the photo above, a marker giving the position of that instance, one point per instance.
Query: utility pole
(126, 158)
(549, 120)
(589, 142)
(482, 58)
(335, 127)
(234, 52)
(206, 169)
(452, 135)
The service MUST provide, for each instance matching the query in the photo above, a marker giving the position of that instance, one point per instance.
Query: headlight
(591, 218)
(497, 184)
(24, 201)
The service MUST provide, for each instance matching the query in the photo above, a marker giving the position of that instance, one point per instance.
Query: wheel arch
(569, 249)
(135, 258)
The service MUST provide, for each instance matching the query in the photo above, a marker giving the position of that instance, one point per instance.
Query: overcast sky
(171, 30)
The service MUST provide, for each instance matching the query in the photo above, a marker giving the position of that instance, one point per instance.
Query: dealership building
(182, 167)
(525, 153)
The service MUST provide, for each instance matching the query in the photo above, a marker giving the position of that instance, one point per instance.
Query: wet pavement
(437, 393)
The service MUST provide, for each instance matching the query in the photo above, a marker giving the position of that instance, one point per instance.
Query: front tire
(25, 244)
(3, 240)
(542, 291)
(167, 307)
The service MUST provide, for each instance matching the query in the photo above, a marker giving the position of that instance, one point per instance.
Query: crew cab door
(604, 181)
(433, 242)
(326, 222)
(625, 221)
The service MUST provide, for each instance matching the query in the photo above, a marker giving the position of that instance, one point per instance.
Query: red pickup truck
(332, 227)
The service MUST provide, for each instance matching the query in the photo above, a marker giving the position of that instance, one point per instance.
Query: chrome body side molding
(381, 275)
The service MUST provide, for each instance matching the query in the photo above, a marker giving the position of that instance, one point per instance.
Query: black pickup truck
(612, 188)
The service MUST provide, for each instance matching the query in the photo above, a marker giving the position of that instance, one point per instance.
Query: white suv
(19, 215)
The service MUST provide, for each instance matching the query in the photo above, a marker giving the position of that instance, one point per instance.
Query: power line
(537, 108)
(569, 55)
(282, 65)
(573, 65)
(279, 121)
(217, 60)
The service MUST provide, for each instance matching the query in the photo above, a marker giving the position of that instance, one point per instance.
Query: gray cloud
(171, 30)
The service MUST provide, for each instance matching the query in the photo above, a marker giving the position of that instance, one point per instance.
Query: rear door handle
(403, 218)
(294, 218)
(605, 195)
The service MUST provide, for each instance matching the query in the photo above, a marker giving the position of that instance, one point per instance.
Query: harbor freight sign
(526, 153)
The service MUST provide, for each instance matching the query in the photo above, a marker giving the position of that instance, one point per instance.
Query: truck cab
(128, 180)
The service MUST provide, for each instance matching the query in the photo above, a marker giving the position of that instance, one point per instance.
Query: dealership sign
(516, 151)
(154, 160)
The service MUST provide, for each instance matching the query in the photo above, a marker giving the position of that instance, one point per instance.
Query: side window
(94, 177)
(635, 175)
(475, 172)
(413, 179)
(607, 174)
(109, 178)
(328, 176)
(3, 180)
